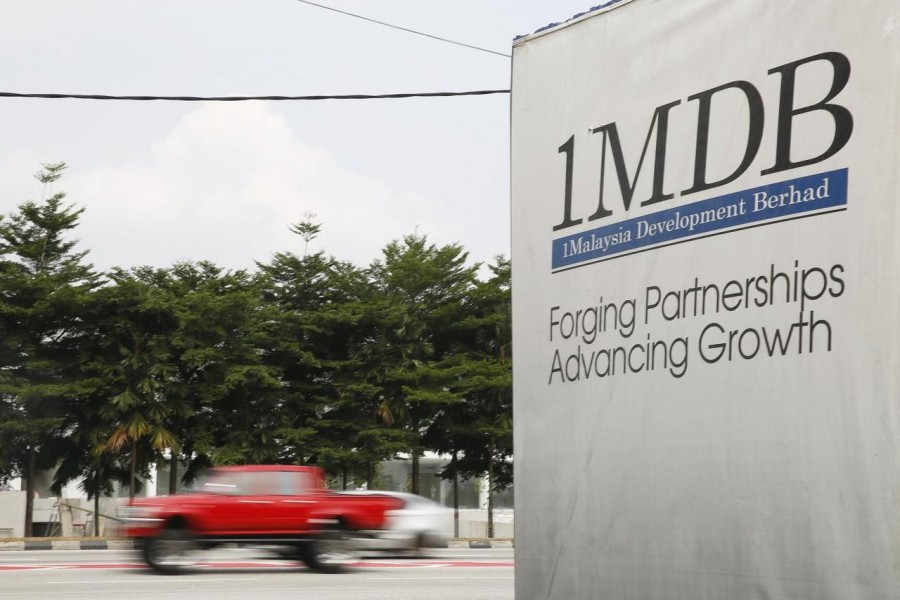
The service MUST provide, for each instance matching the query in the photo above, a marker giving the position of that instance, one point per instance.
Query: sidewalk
(20, 544)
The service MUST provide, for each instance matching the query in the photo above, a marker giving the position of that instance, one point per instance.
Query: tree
(90, 418)
(307, 229)
(490, 390)
(44, 286)
(141, 318)
(477, 432)
(406, 362)
(219, 353)
(312, 299)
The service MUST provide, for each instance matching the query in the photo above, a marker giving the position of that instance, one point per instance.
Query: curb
(87, 544)
(480, 544)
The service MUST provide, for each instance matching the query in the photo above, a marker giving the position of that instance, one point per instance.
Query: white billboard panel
(706, 263)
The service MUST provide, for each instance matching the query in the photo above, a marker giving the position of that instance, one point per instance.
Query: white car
(420, 523)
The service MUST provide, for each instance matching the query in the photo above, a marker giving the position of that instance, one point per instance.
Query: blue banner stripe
(740, 210)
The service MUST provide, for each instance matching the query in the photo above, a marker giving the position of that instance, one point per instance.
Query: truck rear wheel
(172, 551)
(332, 551)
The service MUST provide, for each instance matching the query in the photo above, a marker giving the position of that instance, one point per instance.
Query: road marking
(433, 578)
(168, 580)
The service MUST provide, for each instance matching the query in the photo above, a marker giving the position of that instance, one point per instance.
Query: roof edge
(600, 8)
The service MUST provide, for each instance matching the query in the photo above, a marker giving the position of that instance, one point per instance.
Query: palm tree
(140, 411)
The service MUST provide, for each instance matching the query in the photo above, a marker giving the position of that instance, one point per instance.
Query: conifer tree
(44, 288)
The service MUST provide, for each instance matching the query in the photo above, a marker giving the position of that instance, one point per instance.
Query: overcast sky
(164, 182)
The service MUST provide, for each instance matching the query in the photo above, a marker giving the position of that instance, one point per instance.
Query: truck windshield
(228, 483)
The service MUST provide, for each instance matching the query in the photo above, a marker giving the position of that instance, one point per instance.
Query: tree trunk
(29, 492)
(490, 498)
(415, 472)
(133, 476)
(173, 474)
(455, 495)
(97, 505)
(343, 478)
(370, 477)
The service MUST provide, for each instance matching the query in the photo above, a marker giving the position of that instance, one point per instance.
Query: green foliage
(307, 229)
(479, 429)
(44, 289)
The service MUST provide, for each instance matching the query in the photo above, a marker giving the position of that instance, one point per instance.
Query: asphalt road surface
(452, 574)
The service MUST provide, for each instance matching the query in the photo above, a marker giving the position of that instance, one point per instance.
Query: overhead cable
(248, 98)
(413, 31)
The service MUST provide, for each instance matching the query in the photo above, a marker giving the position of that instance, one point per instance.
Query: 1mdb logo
(784, 159)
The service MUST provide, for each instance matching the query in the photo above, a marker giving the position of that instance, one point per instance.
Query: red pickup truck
(267, 505)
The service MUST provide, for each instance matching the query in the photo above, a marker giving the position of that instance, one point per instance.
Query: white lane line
(432, 578)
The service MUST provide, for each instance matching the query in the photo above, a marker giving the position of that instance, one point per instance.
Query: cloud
(224, 185)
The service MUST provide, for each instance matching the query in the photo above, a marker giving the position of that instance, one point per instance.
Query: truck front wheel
(172, 551)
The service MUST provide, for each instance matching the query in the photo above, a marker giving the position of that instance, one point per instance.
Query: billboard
(706, 266)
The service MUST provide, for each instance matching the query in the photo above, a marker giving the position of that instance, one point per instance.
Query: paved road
(243, 573)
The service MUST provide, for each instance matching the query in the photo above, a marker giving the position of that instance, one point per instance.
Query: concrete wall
(12, 514)
(77, 516)
(473, 523)
(74, 517)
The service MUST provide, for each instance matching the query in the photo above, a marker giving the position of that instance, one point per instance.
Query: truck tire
(172, 551)
(332, 551)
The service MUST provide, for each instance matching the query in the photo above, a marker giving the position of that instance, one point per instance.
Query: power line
(247, 98)
(58, 96)
(413, 31)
